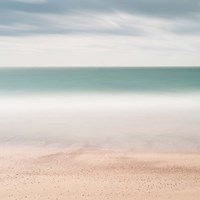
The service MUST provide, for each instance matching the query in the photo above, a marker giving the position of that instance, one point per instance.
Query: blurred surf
(131, 108)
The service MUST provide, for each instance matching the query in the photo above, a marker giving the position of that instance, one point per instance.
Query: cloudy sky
(99, 33)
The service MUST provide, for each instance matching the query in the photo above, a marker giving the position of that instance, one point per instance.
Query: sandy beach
(87, 173)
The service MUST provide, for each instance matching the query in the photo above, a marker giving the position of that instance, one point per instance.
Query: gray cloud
(187, 27)
(153, 7)
(25, 17)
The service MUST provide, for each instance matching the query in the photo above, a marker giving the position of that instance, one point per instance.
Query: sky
(99, 33)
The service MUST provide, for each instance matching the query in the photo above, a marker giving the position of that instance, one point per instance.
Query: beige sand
(44, 174)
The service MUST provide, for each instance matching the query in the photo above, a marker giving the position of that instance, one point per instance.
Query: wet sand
(86, 173)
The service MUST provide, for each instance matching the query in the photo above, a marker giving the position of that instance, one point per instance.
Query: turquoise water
(99, 79)
(135, 108)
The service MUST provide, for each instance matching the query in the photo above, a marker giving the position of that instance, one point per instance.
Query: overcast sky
(99, 33)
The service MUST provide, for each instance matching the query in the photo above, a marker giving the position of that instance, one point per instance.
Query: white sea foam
(134, 121)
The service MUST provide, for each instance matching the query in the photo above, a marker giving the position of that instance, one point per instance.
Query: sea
(129, 108)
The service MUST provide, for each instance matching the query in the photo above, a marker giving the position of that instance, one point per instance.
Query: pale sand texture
(44, 174)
